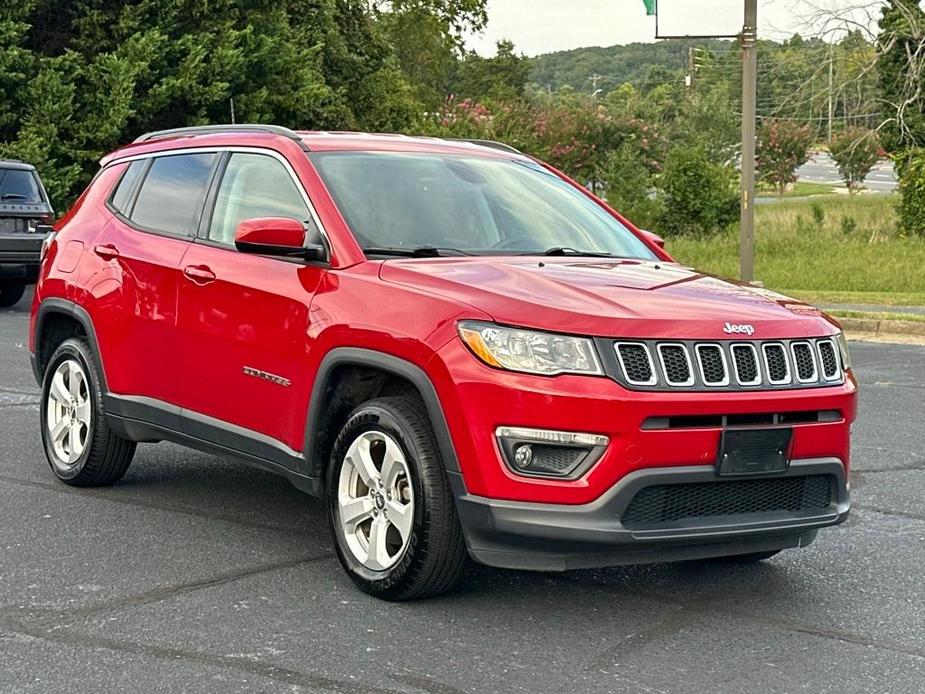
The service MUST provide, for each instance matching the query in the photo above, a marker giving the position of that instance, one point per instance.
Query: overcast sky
(541, 26)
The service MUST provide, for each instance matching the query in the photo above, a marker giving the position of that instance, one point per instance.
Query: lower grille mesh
(669, 503)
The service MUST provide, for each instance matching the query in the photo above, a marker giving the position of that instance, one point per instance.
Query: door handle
(106, 251)
(200, 274)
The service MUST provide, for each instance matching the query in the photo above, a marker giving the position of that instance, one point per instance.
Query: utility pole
(690, 66)
(594, 79)
(749, 115)
(831, 89)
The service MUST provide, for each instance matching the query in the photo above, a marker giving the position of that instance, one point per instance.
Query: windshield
(19, 185)
(472, 205)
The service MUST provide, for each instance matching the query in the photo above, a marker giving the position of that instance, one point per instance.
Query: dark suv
(463, 352)
(24, 215)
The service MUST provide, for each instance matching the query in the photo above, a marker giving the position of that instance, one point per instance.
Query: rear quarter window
(173, 192)
(122, 196)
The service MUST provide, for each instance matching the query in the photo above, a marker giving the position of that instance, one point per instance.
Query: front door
(243, 318)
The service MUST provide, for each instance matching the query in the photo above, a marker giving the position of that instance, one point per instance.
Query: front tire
(390, 506)
(10, 294)
(81, 449)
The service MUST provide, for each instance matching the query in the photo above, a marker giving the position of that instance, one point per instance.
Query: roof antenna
(232, 110)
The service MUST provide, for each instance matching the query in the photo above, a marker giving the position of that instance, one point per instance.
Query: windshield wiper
(13, 196)
(419, 252)
(565, 250)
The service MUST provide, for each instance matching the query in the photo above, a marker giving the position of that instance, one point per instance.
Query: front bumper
(558, 537)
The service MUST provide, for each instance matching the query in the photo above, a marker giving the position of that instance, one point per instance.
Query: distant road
(821, 169)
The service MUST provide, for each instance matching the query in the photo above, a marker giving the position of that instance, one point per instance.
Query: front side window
(173, 193)
(254, 185)
(19, 186)
(475, 205)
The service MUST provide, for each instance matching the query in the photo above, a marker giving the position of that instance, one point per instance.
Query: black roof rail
(489, 143)
(223, 128)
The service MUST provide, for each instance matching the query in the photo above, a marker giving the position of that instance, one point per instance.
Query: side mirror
(281, 236)
(654, 238)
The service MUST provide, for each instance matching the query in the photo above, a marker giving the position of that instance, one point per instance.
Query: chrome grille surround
(626, 372)
(667, 370)
(700, 349)
(829, 362)
(780, 350)
(740, 361)
(801, 351)
(776, 363)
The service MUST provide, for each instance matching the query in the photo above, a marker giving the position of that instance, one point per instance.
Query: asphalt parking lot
(198, 574)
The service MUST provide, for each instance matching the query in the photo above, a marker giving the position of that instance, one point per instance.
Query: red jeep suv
(461, 350)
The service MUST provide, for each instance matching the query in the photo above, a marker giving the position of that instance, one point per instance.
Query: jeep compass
(463, 352)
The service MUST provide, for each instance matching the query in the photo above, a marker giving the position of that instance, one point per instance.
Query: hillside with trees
(636, 122)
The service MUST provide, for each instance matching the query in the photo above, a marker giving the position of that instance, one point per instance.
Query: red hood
(605, 297)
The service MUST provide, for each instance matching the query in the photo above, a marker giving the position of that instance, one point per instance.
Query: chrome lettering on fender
(272, 378)
(739, 329)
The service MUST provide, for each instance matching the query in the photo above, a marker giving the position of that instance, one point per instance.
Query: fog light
(523, 455)
(548, 453)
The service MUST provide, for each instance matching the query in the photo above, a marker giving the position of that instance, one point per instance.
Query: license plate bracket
(754, 451)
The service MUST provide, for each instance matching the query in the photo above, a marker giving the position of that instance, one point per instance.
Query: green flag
(650, 6)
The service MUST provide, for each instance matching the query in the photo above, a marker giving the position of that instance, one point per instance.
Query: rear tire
(390, 507)
(10, 294)
(81, 449)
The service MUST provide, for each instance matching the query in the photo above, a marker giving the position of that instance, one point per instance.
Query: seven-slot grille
(727, 365)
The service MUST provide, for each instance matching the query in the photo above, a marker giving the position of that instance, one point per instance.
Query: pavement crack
(712, 608)
(427, 684)
(888, 512)
(134, 501)
(249, 665)
(673, 623)
(165, 592)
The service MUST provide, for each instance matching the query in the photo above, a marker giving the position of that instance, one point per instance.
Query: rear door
(243, 318)
(158, 205)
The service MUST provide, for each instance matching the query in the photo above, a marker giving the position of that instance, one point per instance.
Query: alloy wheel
(68, 413)
(375, 500)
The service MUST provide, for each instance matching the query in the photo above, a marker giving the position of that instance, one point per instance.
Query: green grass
(878, 315)
(842, 297)
(835, 248)
(801, 189)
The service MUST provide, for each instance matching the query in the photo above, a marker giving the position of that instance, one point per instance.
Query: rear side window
(122, 198)
(18, 185)
(172, 194)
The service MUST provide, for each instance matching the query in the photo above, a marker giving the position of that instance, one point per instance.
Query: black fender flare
(355, 356)
(68, 308)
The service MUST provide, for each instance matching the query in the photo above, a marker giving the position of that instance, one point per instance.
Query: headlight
(843, 351)
(530, 351)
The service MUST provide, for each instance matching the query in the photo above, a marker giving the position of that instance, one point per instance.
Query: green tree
(503, 76)
(856, 151)
(912, 191)
(79, 78)
(900, 67)
(630, 186)
(783, 146)
(698, 196)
